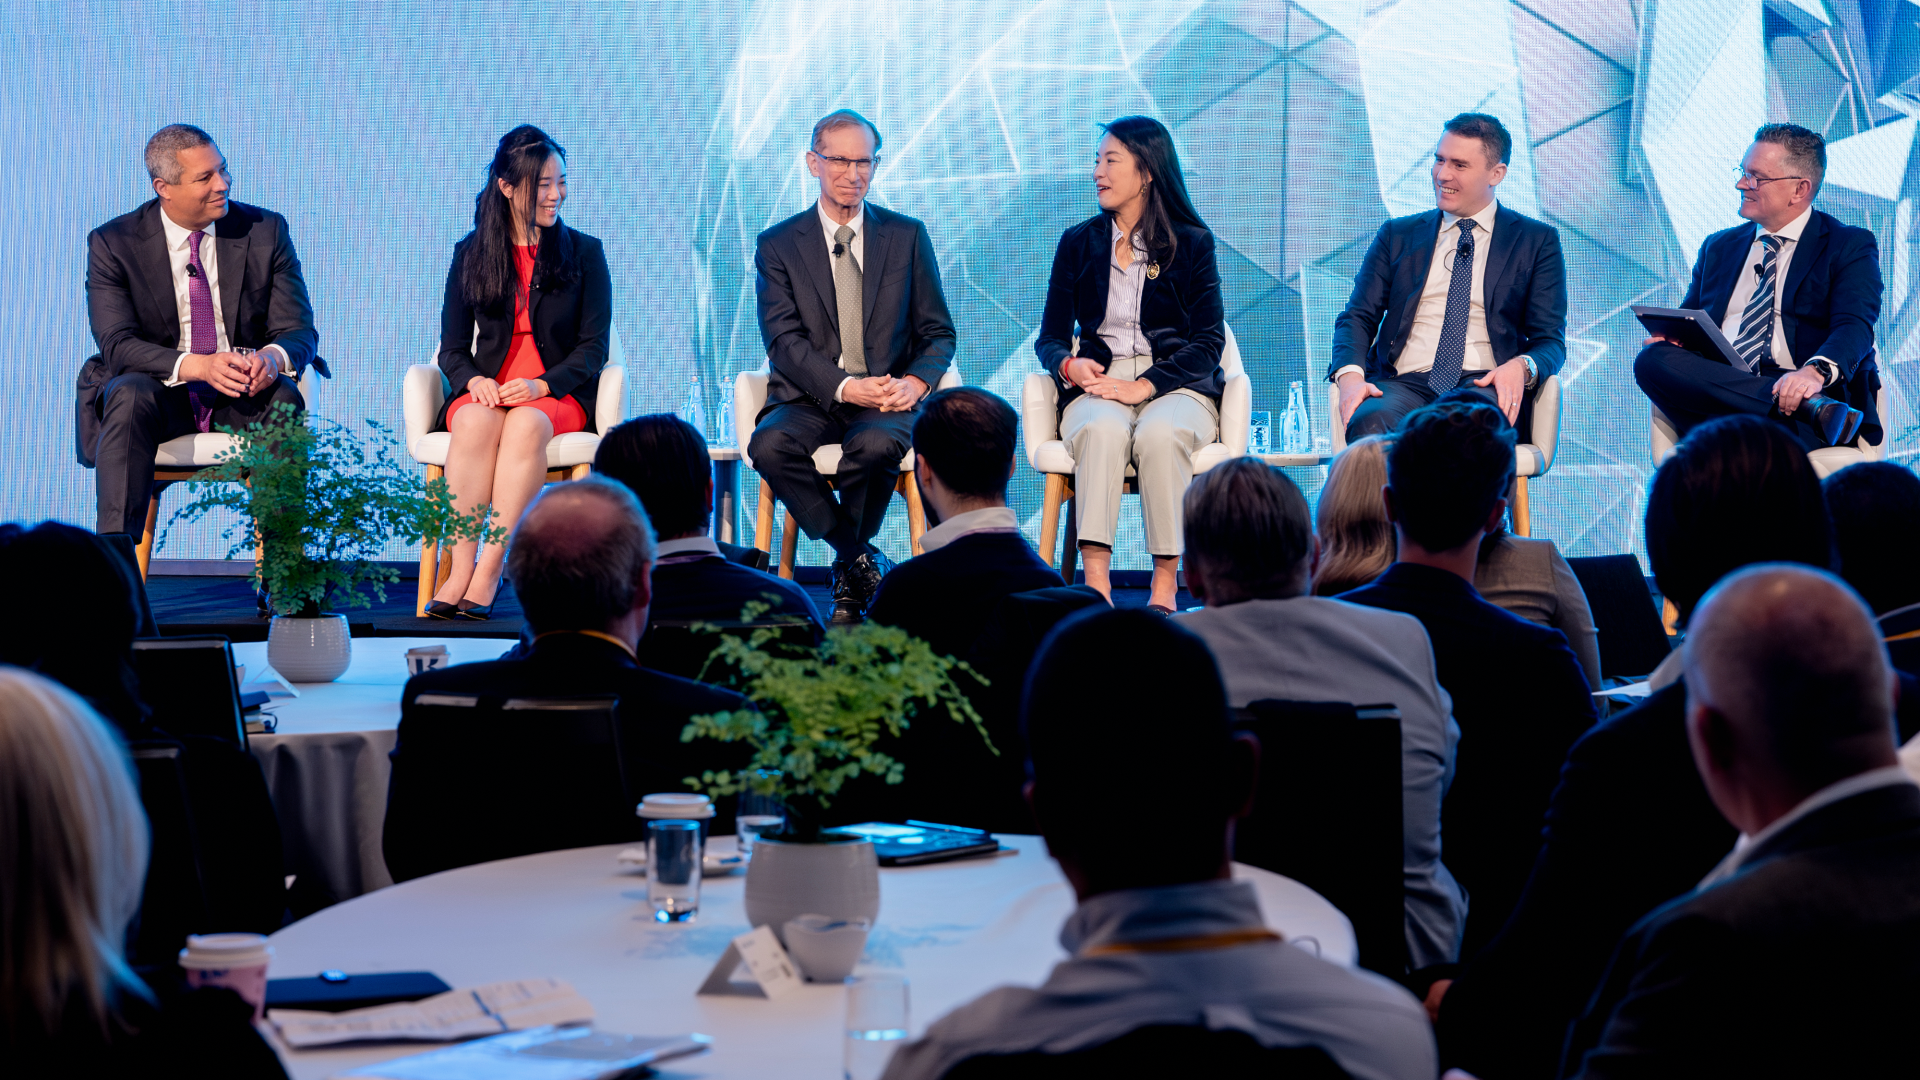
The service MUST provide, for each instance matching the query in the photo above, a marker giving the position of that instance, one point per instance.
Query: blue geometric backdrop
(1301, 124)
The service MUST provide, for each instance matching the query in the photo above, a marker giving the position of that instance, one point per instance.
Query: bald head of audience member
(1788, 690)
(581, 559)
(1122, 767)
(1249, 535)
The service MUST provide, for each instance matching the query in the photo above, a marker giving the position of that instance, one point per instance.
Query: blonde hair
(1356, 539)
(73, 837)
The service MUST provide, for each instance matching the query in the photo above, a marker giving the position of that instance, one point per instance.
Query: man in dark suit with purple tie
(1796, 292)
(173, 290)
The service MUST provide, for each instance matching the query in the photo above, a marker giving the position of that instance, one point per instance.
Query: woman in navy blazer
(523, 336)
(1133, 329)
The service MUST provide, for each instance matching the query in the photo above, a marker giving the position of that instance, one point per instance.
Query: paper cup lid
(219, 951)
(676, 805)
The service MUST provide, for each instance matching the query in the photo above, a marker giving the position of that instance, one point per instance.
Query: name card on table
(768, 965)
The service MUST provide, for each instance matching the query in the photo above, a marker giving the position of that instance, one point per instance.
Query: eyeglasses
(1747, 176)
(864, 166)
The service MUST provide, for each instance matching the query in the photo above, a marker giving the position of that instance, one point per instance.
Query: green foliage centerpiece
(823, 711)
(322, 506)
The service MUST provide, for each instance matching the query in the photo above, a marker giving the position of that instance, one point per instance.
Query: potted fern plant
(322, 505)
(822, 714)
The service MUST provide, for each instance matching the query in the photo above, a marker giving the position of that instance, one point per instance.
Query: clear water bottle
(1294, 426)
(692, 412)
(723, 417)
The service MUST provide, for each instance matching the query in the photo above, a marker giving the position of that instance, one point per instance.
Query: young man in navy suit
(857, 331)
(1470, 295)
(1796, 293)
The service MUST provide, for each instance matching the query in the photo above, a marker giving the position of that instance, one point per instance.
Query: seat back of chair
(174, 901)
(1632, 641)
(478, 778)
(1327, 814)
(190, 684)
(1156, 1051)
(684, 648)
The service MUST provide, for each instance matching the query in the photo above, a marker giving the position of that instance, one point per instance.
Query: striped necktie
(1755, 343)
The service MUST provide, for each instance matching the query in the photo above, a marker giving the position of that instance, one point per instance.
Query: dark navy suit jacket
(714, 589)
(1181, 310)
(1828, 302)
(908, 328)
(1524, 287)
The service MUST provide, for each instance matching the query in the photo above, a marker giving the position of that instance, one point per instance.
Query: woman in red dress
(523, 336)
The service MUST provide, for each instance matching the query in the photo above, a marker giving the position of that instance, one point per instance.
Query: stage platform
(222, 604)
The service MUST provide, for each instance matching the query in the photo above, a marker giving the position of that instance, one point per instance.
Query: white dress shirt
(857, 247)
(1826, 796)
(1431, 313)
(686, 549)
(1120, 327)
(178, 249)
(1748, 279)
(985, 519)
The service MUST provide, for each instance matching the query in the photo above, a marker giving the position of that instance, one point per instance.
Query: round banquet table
(955, 929)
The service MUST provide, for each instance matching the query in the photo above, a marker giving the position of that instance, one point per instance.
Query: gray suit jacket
(1530, 578)
(1313, 648)
(908, 329)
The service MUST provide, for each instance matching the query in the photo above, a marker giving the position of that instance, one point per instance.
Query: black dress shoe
(440, 609)
(1837, 421)
(855, 583)
(470, 610)
(846, 609)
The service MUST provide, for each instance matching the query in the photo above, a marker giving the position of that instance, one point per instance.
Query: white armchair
(1826, 460)
(749, 397)
(180, 460)
(1530, 458)
(1048, 454)
(569, 456)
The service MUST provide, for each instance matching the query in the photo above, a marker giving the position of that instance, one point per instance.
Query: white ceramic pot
(309, 650)
(838, 878)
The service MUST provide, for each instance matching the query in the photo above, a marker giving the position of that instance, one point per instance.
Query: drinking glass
(756, 814)
(673, 869)
(876, 1022)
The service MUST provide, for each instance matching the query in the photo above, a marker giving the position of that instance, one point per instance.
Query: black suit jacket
(1828, 302)
(908, 329)
(136, 323)
(1524, 287)
(1805, 963)
(570, 306)
(714, 589)
(1521, 699)
(945, 596)
(653, 710)
(1182, 312)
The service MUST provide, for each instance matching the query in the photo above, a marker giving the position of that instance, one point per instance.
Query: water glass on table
(756, 814)
(876, 1023)
(673, 869)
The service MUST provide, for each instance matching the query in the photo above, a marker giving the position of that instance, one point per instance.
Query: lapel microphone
(839, 249)
(192, 271)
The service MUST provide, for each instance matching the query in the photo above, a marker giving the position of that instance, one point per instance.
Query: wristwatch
(1533, 370)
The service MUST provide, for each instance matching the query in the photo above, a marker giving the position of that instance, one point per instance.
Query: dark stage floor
(225, 605)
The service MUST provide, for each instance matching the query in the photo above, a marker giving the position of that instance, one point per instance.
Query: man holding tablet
(1795, 294)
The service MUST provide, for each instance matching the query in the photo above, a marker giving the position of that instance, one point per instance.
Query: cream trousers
(1158, 438)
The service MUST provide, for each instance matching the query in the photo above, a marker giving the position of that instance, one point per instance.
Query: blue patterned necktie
(1755, 343)
(1449, 358)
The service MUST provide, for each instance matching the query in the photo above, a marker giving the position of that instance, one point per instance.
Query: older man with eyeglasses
(857, 331)
(1796, 292)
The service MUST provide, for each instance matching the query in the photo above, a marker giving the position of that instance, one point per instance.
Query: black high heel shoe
(471, 610)
(440, 609)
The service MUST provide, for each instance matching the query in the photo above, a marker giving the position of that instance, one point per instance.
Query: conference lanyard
(1184, 944)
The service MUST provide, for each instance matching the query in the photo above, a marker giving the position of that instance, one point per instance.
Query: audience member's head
(1737, 490)
(83, 616)
(1447, 474)
(1125, 766)
(1875, 507)
(1356, 537)
(76, 862)
(1249, 535)
(664, 461)
(580, 559)
(963, 448)
(1788, 690)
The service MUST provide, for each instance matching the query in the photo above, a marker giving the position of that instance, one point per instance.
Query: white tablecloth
(327, 763)
(956, 930)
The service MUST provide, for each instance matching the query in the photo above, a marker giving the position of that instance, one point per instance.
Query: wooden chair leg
(763, 521)
(916, 511)
(429, 559)
(581, 472)
(1522, 512)
(143, 551)
(1050, 518)
(789, 545)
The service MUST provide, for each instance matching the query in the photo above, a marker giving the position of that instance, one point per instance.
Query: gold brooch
(1153, 270)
